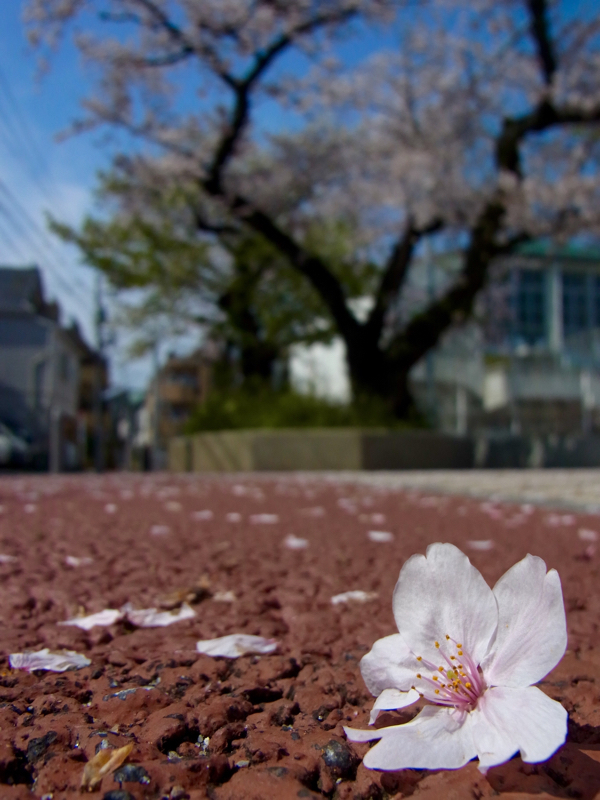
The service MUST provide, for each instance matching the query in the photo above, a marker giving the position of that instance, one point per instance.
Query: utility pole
(429, 357)
(156, 418)
(99, 319)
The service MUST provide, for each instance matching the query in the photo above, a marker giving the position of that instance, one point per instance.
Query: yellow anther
(441, 669)
(414, 687)
(447, 637)
(437, 644)
(418, 674)
(460, 652)
(468, 685)
(419, 658)
(435, 677)
(458, 645)
(437, 691)
(452, 658)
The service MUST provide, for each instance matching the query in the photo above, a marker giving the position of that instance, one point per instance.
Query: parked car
(15, 451)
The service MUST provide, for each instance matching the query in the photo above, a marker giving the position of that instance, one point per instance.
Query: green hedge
(262, 407)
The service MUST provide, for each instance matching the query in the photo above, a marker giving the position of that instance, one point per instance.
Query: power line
(39, 232)
(21, 143)
(37, 240)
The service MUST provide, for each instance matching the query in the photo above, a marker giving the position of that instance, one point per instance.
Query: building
(39, 372)
(179, 387)
(529, 361)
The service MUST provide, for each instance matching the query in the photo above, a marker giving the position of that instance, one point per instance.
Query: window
(530, 310)
(575, 305)
(596, 301)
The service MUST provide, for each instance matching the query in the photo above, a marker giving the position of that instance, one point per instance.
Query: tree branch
(311, 266)
(243, 88)
(425, 329)
(545, 116)
(540, 30)
(394, 275)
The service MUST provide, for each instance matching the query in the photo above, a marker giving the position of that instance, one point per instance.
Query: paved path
(572, 488)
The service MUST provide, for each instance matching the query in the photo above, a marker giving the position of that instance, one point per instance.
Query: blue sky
(39, 173)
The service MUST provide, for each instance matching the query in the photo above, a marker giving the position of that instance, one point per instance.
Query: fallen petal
(202, 515)
(295, 542)
(264, 519)
(480, 544)
(73, 561)
(224, 597)
(380, 536)
(5, 559)
(235, 645)
(106, 617)
(103, 763)
(587, 535)
(233, 516)
(356, 594)
(59, 661)
(160, 530)
(317, 511)
(153, 618)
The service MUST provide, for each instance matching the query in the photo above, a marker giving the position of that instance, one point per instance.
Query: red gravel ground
(256, 727)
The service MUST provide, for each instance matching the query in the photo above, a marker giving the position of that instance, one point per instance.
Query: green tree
(236, 287)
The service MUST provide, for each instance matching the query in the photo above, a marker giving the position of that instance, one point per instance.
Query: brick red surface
(274, 723)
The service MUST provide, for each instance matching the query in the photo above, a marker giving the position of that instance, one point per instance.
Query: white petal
(389, 665)
(532, 630)
(511, 719)
(151, 618)
(435, 739)
(60, 661)
(235, 645)
(443, 594)
(295, 542)
(356, 595)
(380, 536)
(391, 700)
(106, 617)
(367, 735)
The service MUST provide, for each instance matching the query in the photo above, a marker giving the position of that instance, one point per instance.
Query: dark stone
(118, 794)
(279, 772)
(263, 694)
(37, 747)
(219, 770)
(340, 759)
(131, 773)
(321, 713)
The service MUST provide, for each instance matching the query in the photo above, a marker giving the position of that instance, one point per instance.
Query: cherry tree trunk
(374, 375)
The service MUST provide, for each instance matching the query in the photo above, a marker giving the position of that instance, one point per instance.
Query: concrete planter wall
(372, 449)
(319, 449)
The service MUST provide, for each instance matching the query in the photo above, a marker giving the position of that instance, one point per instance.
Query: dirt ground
(259, 726)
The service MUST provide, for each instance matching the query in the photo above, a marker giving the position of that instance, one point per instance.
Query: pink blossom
(473, 654)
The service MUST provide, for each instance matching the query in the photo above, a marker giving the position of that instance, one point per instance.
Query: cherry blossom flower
(473, 654)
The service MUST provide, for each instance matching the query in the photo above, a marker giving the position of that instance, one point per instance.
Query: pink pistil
(462, 690)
